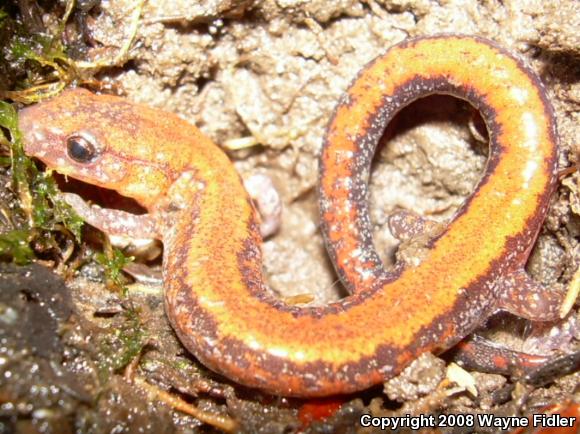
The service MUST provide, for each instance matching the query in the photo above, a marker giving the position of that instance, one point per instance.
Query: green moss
(40, 68)
(49, 211)
(113, 264)
(122, 346)
(15, 245)
(34, 66)
(40, 202)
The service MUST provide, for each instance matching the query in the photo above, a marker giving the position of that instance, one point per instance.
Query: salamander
(215, 294)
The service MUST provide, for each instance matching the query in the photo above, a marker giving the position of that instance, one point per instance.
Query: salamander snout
(32, 131)
(48, 125)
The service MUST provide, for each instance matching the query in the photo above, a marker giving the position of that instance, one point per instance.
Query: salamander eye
(80, 149)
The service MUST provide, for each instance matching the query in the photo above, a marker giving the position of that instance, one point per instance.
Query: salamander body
(215, 294)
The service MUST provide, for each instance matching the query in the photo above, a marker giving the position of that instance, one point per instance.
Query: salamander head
(101, 140)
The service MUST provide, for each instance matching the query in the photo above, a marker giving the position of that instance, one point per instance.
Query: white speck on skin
(520, 95)
(278, 352)
(54, 130)
(531, 130)
(529, 171)
(300, 355)
(500, 74)
(254, 345)
(39, 135)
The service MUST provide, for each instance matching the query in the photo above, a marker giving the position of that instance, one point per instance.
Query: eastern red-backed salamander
(215, 294)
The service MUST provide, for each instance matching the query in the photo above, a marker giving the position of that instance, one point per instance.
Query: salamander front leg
(113, 221)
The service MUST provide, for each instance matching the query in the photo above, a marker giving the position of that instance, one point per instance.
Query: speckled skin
(487, 356)
(214, 289)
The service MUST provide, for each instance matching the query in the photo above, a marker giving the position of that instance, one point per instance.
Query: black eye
(80, 149)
